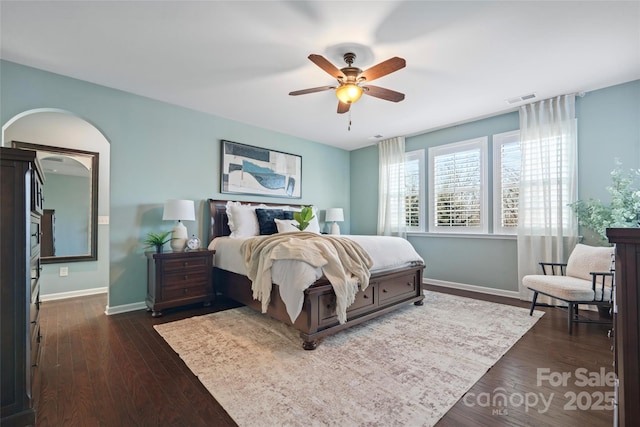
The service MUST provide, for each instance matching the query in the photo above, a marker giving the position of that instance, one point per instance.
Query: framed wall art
(254, 170)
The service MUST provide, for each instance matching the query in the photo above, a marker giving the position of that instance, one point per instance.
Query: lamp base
(179, 237)
(335, 228)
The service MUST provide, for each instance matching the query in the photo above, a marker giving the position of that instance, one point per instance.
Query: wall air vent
(522, 98)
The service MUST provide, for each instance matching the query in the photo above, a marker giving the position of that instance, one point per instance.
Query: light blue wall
(161, 151)
(608, 127)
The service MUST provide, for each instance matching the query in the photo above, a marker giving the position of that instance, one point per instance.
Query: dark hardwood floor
(98, 370)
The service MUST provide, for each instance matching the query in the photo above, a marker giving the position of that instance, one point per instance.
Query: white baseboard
(472, 288)
(124, 308)
(73, 294)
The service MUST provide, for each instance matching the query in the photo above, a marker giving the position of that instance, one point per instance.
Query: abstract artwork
(253, 170)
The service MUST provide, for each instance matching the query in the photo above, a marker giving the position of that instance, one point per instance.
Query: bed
(388, 289)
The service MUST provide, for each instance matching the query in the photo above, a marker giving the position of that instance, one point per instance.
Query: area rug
(406, 368)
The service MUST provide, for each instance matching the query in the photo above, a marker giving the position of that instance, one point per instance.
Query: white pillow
(242, 220)
(286, 225)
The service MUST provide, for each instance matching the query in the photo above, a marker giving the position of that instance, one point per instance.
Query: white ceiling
(240, 59)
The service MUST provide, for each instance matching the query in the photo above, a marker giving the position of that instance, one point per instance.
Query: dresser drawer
(327, 307)
(183, 284)
(185, 278)
(191, 291)
(37, 198)
(35, 345)
(398, 288)
(181, 264)
(34, 274)
(34, 328)
(35, 236)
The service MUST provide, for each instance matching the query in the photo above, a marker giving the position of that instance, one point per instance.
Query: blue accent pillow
(266, 217)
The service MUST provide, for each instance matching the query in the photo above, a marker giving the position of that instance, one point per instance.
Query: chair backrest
(584, 259)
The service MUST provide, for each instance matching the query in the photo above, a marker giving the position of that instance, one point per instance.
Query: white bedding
(293, 277)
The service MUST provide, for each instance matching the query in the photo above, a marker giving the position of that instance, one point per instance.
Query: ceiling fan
(353, 82)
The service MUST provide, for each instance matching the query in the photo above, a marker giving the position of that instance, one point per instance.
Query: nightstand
(179, 278)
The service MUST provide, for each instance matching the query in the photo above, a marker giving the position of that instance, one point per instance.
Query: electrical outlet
(64, 271)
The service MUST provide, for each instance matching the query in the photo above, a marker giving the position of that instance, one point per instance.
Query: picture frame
(247, 169)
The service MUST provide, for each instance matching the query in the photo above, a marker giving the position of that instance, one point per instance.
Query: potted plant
(624, 210)
(157, 240)
(303, 217)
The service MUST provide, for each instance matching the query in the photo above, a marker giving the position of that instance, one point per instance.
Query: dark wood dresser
(626, 324)
(179, 278)
(21, 208)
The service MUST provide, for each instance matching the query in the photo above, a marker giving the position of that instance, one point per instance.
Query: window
(414, 189)
(457, 186)
(549, 177)
(506, 182)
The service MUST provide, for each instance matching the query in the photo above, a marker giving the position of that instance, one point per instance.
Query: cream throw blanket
(344, 263)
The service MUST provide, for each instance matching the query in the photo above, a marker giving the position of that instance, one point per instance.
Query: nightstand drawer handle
(365, 296)
(409, 283)
(384, 290)
(186, 277)
(186, 264)
(185, 291)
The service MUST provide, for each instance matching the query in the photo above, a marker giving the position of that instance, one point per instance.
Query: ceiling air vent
(522, 98)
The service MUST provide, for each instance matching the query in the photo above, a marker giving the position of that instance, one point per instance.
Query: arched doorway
(64, 129)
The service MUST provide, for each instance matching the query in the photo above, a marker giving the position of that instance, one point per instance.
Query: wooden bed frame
(387, 291)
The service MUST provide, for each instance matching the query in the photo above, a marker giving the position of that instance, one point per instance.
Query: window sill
(463, 235)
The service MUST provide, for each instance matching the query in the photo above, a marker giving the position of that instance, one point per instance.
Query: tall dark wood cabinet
(21, 182)
(626, 324)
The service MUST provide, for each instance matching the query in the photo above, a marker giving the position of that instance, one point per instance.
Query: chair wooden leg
(533, 303)
(571, 309)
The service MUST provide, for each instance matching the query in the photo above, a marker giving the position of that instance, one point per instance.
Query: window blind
(412, 191)
(510, 160)
(457, 189)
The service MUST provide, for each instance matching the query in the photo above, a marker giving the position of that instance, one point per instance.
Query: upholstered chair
(586, 278)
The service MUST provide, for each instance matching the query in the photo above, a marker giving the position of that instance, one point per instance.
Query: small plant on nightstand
(157, 240)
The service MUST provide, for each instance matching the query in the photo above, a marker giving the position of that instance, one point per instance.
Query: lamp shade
(179, 210)
(334, 214)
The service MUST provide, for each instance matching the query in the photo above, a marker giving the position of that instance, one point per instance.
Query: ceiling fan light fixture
(349, 93)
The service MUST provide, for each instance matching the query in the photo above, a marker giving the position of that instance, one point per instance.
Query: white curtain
(547, 227)
(391, 188)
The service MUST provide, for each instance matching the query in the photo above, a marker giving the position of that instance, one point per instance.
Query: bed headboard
(218, 216)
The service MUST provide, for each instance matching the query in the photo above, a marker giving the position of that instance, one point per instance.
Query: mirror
(70, 218)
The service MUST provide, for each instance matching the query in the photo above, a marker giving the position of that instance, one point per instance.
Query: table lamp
(179, 210)
(334, 215)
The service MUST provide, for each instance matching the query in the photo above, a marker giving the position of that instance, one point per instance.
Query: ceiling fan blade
(311, 90)
(382, 93)
(343, 107)
(383, 68)
(327, 66)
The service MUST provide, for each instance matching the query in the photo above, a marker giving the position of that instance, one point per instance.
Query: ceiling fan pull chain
(349, 127)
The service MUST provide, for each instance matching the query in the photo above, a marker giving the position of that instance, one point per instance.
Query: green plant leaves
(156, 239)
(624, 210)
(303, 217)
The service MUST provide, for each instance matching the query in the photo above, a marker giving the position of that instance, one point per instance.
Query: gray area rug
(407, 368)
